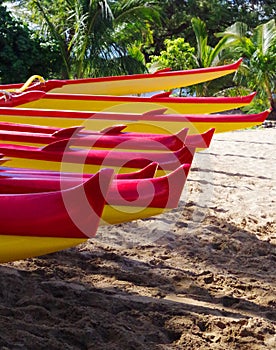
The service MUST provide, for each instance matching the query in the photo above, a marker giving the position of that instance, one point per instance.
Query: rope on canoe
(28, 83)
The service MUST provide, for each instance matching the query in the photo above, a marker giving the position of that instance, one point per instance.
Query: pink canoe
(109, 138)
(52, 214)
(126, 199)
(58, 155)
(160, 192)
(146, 172)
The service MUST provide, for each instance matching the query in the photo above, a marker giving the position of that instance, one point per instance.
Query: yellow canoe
(126, 104)
(154, 122)
(127, 84)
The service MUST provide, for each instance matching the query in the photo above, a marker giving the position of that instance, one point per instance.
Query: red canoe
(160, 192)
(58, 155)
(145, 173)
(109, 138)
(126, 200)
(62, 213)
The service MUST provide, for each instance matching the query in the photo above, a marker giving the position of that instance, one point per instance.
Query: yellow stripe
(22, 247)
(119, 214)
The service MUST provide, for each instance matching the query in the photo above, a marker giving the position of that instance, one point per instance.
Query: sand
(200, 277)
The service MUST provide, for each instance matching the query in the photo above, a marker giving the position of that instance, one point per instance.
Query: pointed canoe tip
(253, 94)
(164, 70)
(182, 168)
(162, 95)
(200, 140)
(176, 180)
(68, 132)
(186, 168)
(99, 183)
(208, 136)
(56, 146)
(113, 130)
(211, 132)
(150, 170)
(263, 115)
(155, 112)
(182, 134)
(238, 62)
(102, 178)
(248, 98)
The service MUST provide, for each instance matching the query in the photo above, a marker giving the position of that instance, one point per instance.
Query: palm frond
(57, 36)
(264, 36)
(200, 31)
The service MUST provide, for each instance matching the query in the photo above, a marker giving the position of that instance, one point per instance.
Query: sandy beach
(200, 277)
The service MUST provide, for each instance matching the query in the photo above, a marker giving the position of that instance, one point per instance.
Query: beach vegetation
(22, 53)
(95, 37)
(258, 49)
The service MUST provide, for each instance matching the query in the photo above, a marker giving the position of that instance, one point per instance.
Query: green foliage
(258, 48)
(21, 53)
(217, 14)
(94, 36)
(181, 55)
(178, 55)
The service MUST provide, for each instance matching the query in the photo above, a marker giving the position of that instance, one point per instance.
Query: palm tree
(207, 56)
(96, 37)
(258, 49)
(181, 55)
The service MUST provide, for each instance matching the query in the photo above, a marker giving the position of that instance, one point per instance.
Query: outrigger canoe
(110, 138)
(40, 223)
(148, 171)
(126, 200)
(60, 156)
(151, 122)
(132, 104)
(127, 84)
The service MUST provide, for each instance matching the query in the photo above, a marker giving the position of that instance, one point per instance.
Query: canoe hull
(125, 201)
(133, 84)
(136, 105)
(154, 126)
(150, 126)
(14, 248)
